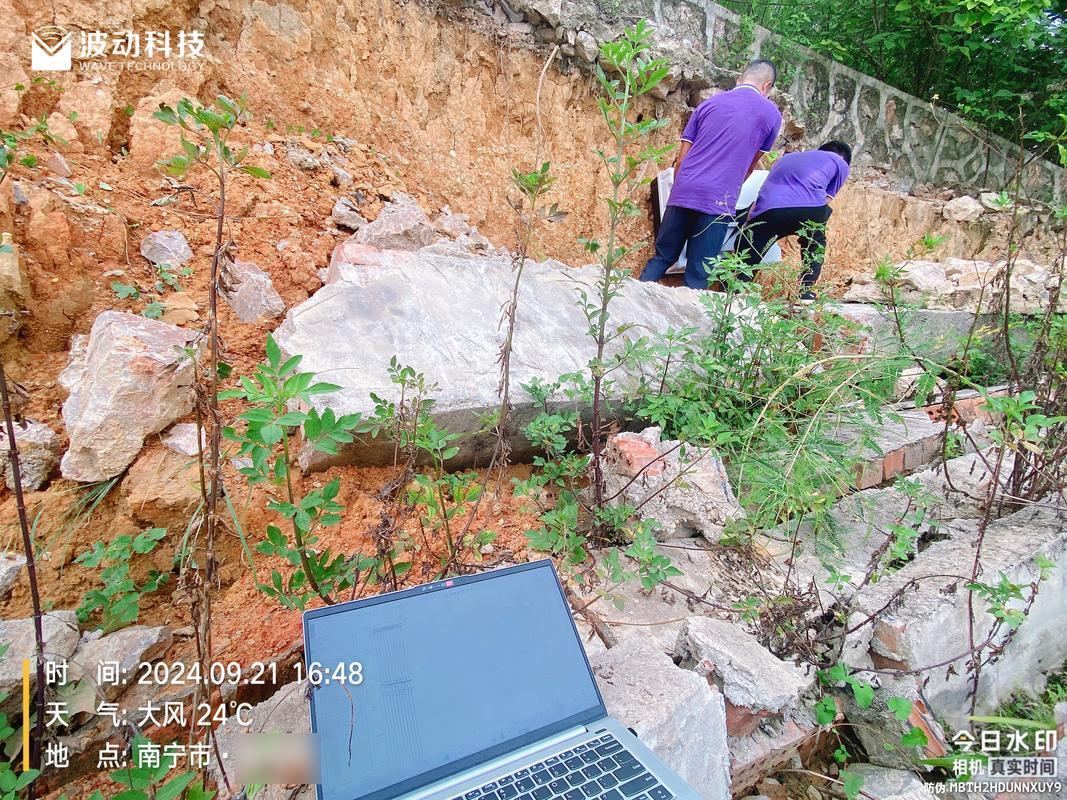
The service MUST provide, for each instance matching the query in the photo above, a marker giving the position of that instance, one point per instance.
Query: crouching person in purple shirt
(721, 145)
(795, 200)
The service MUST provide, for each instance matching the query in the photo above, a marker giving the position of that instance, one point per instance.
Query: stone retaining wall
(913, 141)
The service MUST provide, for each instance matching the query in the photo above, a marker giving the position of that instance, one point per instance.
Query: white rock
(451, 225)
(300, 157)
(926, 276)
(250, 292)
(475, 242)
(166, 247)
(962, 209)
(586, 47)
(401, 225)
(14, 288)
(991, 200)
(130, 378)
(128, 647)
(11, 565)
(383, 303)
(39, 451)
(181, 438)
(346, 215)
(60, 629)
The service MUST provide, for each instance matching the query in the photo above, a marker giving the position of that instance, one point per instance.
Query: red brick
(630, 455)
(892, 464)
(741, 721)
(868, 473)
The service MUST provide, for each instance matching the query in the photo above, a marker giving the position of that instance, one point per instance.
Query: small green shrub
(118, 602)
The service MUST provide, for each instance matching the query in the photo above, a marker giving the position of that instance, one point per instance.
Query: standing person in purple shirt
(721, 145)
(795, 200)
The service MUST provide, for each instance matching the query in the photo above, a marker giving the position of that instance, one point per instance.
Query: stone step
(905, 442)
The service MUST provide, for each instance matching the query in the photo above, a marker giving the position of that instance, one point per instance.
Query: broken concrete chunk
(879, 729)
(39, 451)
(346, 215)
(11, 565)
(750, 675)
(401, 225)
(250, 292)
(166, 247)
(962, 209)
(962, 484)
(684, 489)
(60, 629)
(658, 615)
(128, 379)
(930, 619)
(127, 647)
(673, 711)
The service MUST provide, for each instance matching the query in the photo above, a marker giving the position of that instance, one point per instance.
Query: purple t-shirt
(726, 132)
(801, 180)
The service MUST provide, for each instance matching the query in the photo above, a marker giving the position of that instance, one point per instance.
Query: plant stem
(297, 536)
(31, 571)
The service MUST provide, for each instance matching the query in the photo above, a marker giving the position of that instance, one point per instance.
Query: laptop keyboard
(601, 769)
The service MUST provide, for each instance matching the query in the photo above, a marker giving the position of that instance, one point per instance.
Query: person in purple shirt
(721, 145)
(795, 200)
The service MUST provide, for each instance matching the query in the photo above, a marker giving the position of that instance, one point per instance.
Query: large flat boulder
(129, 379)
(441, 315)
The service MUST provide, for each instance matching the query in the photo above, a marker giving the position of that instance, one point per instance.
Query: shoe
(807, 297)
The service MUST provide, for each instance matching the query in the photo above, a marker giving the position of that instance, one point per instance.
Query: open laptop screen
(453, 674)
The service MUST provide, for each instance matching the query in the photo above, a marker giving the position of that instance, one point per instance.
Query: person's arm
(768, 142)
(683, 150)
(754, 164)
(836, 184)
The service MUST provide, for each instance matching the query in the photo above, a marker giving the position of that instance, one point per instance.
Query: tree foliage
(988, 59)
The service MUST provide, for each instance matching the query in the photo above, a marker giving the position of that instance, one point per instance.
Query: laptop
(471, 688)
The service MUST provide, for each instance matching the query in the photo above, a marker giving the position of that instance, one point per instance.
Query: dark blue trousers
(704, 234)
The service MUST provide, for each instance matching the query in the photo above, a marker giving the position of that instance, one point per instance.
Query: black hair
(761, 66)
(842, 149)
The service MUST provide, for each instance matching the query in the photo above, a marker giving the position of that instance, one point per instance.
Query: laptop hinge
(488, 766)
